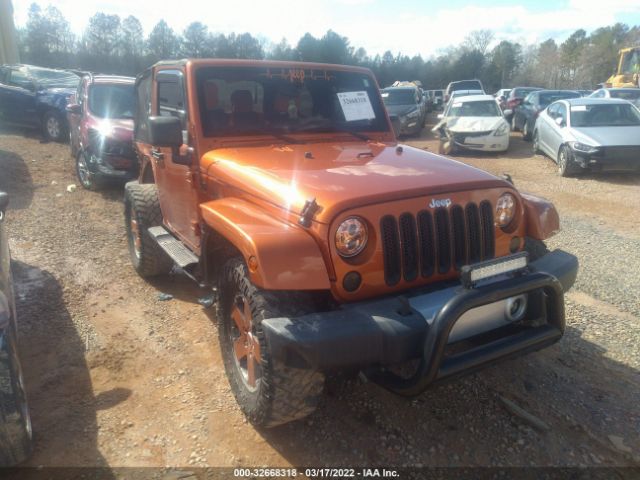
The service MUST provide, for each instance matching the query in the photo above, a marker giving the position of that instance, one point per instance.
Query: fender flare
(287, 257)
(542, 219)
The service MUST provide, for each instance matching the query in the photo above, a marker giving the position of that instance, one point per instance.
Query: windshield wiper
(329, 129)
(284, 138)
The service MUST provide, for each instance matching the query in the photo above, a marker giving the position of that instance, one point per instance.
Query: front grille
(462, 137)
(430, 243)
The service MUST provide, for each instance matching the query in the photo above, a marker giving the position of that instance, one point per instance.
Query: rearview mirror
(4, 203)
(74, 109)
(165, 131)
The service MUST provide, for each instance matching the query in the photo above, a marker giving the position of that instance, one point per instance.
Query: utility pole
(8, 40)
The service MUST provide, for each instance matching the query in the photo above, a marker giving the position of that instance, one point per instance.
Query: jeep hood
(340, 176)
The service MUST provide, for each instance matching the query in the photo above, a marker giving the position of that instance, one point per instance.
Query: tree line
(111, 44)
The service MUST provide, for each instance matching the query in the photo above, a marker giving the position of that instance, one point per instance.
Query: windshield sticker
(385, 94)
(579, 108)
(456, 105)
(356, 106)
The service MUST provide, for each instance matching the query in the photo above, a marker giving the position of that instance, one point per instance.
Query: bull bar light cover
(471, 274)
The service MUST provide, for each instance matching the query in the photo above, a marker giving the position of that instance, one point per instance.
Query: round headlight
(505, 209)
(351, 237)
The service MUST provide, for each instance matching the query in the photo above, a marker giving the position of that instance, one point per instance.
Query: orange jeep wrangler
(326, 245)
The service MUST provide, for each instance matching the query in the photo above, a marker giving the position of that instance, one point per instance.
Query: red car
(101, 129)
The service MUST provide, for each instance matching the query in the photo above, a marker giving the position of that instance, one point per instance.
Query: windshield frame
(379, 128)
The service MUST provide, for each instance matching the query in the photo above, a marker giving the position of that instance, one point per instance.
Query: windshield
(631, 62)
(631, 95)
(483, 108)
(465, 85)
(54, 78)
(399, 97)
(261, 100)
(548, 98)
(603, 115)
(112, 101)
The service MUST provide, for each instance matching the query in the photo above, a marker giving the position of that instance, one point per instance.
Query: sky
(407, 26)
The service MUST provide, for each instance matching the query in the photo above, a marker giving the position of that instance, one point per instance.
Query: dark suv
(101, 129)
(15, 423)
(406, 108)
(36, 97)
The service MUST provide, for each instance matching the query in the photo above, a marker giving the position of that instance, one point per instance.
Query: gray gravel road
(117, 377)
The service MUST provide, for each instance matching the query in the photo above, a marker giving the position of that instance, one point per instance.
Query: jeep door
(174, 167)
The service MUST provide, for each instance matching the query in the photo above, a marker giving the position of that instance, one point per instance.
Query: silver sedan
(583, 134)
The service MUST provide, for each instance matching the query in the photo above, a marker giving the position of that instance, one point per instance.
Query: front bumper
(391, 331)
(614, 159)
(112, 166)
(486, 143)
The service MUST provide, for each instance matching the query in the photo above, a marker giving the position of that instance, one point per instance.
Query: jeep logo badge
(443, 202)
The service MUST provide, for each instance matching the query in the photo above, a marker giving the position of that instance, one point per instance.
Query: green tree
(163, 44)
(196, 41)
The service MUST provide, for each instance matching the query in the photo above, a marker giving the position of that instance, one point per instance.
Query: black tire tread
(285, 394)
(144, 198)
(15, 439)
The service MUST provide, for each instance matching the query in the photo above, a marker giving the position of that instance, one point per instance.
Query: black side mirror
(4, 203)
(74, 108)
(165, 131)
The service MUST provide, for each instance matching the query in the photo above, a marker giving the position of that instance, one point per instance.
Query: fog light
(351, 281)
(514, 245)
(515, 308)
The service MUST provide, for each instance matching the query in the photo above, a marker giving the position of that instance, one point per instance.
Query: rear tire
(526, 132)
(15, 422)
(268, 392)
(566, 164)
(54, 127)
(141, 211)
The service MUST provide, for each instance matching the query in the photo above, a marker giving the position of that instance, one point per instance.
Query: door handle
(157, 155)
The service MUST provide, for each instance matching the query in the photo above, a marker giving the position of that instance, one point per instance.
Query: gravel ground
(116, 377)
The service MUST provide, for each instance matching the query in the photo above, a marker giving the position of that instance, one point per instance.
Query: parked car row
(95, 112)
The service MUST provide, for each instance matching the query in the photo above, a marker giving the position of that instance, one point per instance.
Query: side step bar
(181, 255)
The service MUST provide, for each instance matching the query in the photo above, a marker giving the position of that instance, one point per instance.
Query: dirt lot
(117, 377)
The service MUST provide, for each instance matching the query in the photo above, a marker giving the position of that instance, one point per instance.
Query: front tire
(87, 179)
(566, 164)
(526, 132)
(141, 211)
(268, 392)
(53, 126)
(536, 143)
(16, 434)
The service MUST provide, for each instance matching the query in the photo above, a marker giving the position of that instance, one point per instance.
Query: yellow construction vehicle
(628, 73)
